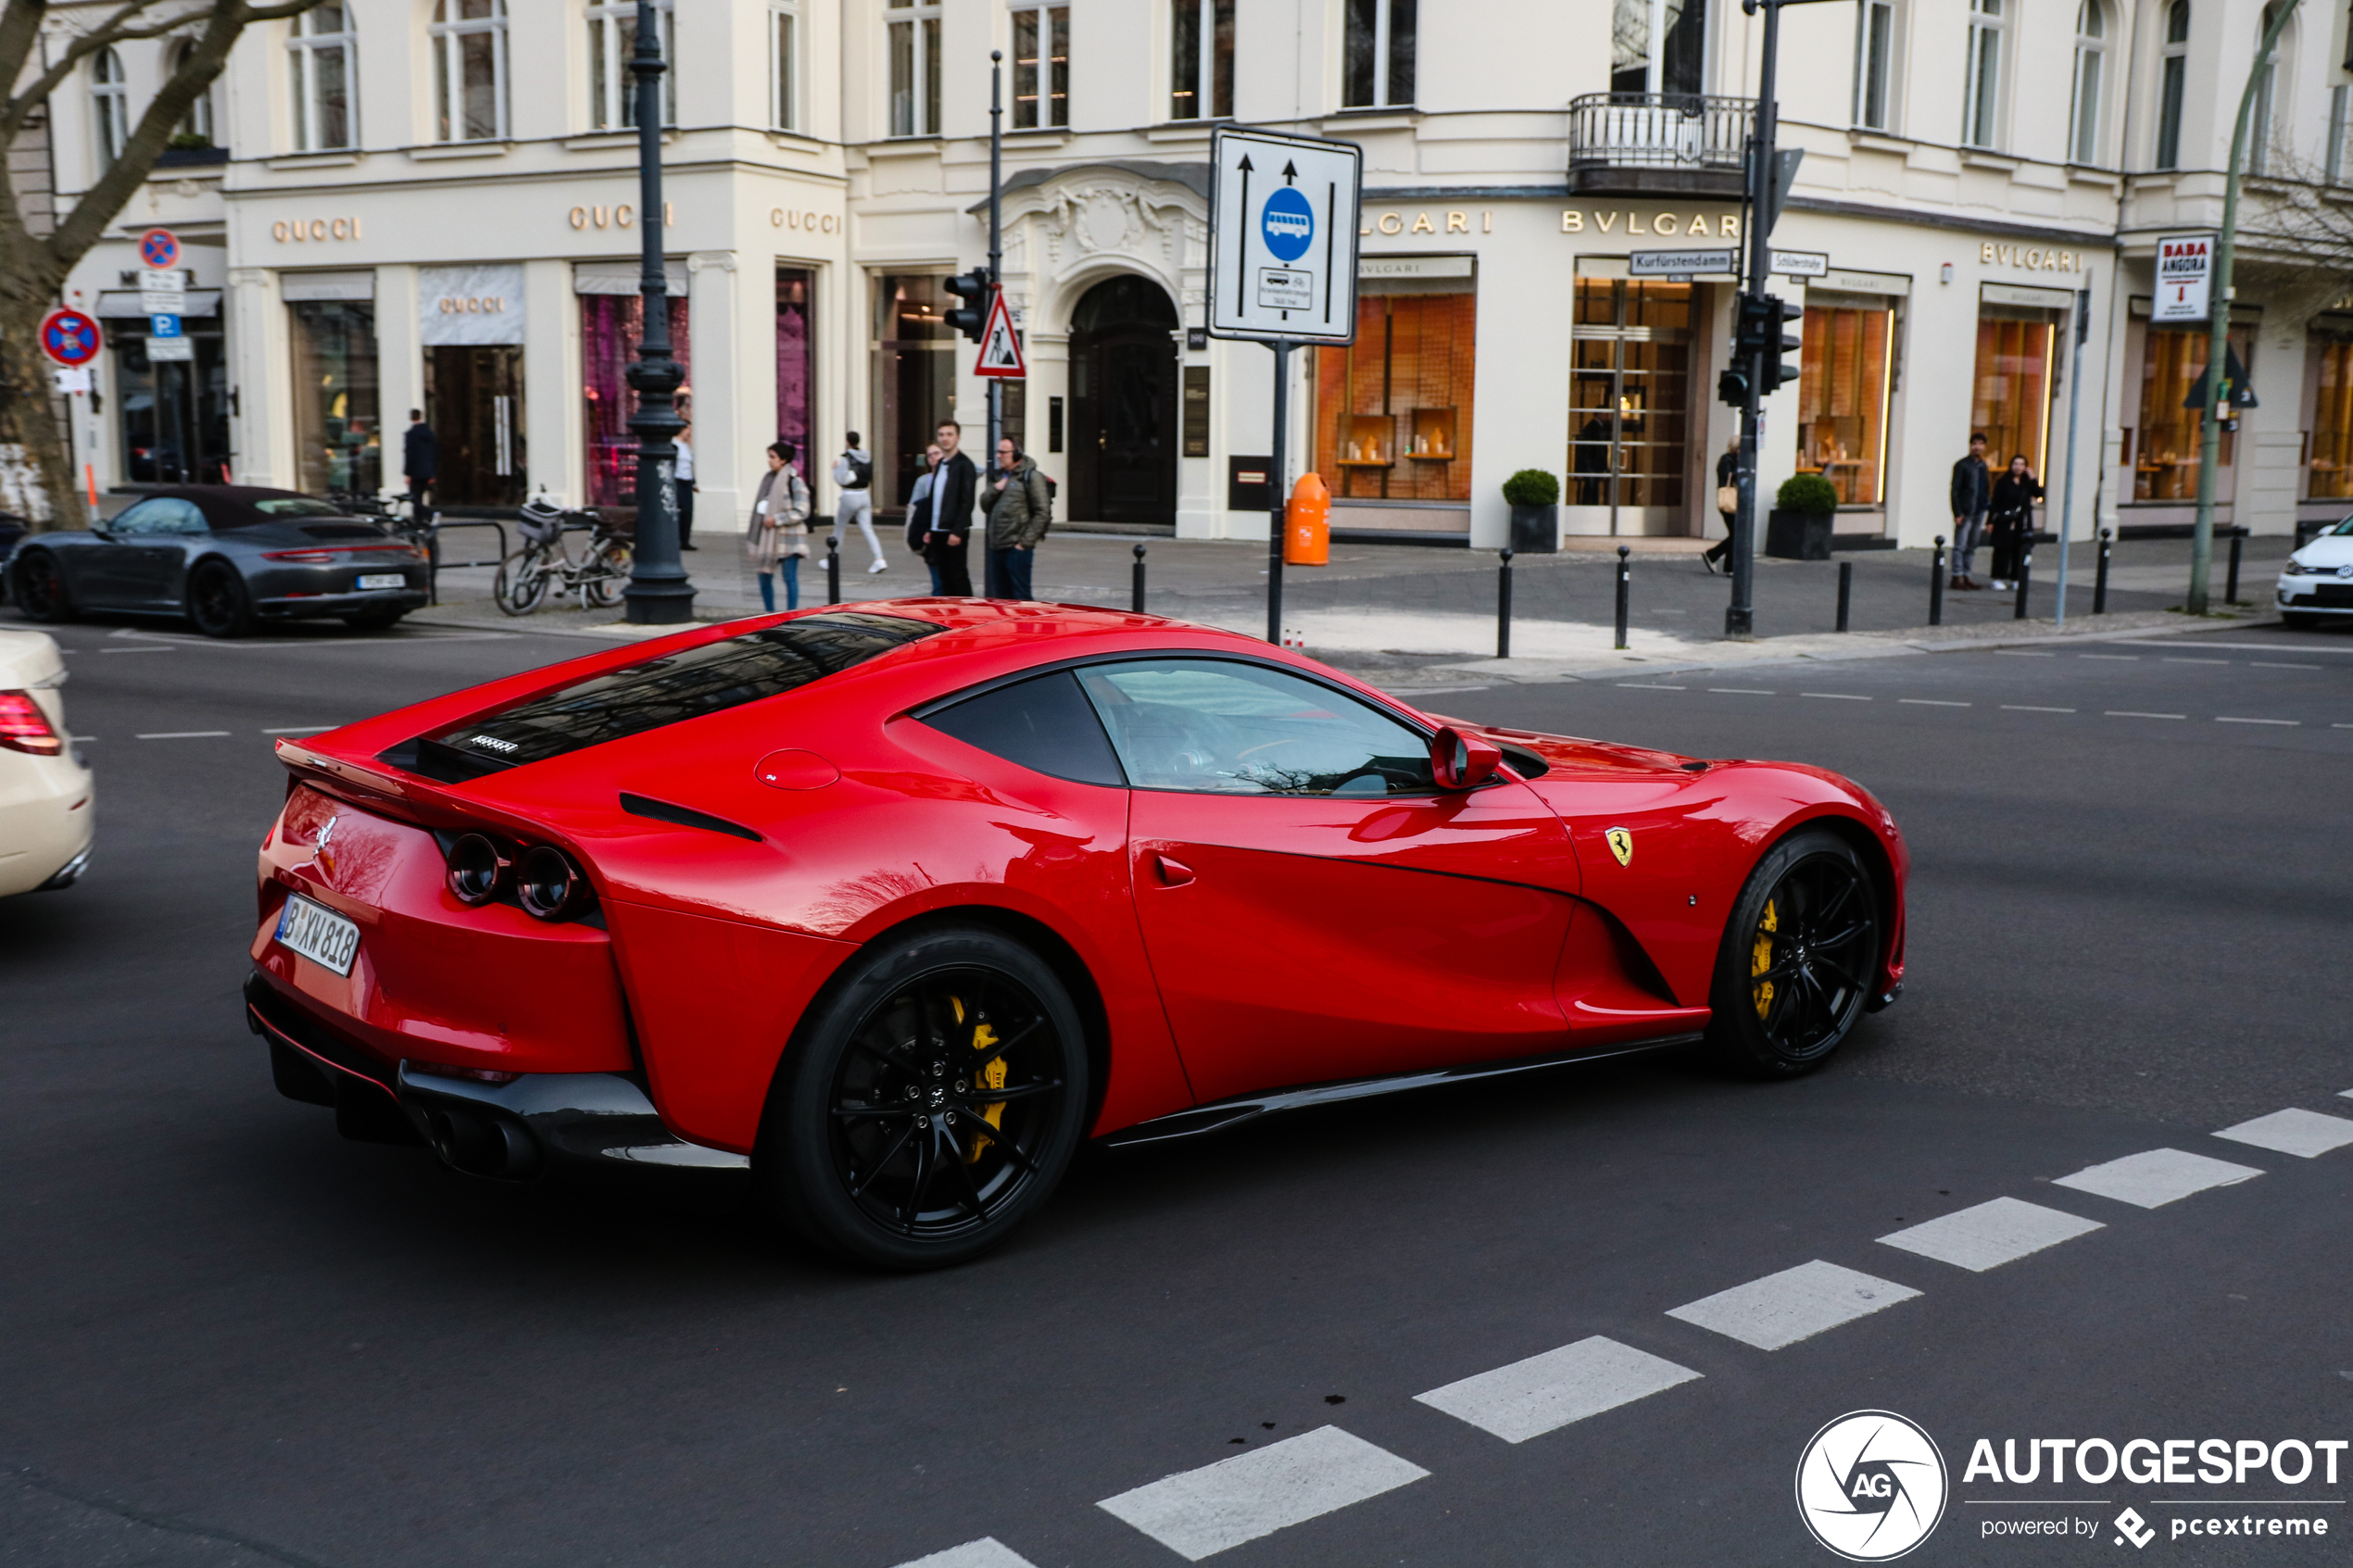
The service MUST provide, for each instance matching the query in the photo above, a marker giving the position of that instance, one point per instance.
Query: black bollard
(2231, 587)
(1936, 583)
(2099, 578)
(1625, 582)
(832, 569)
(1503, 606)
(1136, 588)
(2025, 570)
(1846, 590)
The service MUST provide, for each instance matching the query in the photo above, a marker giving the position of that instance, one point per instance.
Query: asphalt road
(234, 1339)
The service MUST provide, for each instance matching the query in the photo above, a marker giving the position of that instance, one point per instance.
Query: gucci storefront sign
(469, 305)
(301, 230)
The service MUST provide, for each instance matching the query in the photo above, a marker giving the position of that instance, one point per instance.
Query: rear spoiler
(418, 801)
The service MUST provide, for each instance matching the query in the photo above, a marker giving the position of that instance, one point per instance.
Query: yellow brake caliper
(1761, 959)
(991, 1076)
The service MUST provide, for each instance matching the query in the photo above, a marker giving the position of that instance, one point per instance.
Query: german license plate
(383, 580)
(318, 934)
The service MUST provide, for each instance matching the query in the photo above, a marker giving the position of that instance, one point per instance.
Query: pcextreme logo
(1871, 1485)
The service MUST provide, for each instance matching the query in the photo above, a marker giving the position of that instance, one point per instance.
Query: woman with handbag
(2012, 511)
(1728, 502)
(778, 532)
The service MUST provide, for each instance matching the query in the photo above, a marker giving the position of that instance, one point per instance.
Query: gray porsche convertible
(227, 558)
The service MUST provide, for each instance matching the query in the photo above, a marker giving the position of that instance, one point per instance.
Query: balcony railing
(1663, 142)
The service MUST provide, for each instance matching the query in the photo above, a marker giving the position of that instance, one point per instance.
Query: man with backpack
(854, 475)
(1019, 504)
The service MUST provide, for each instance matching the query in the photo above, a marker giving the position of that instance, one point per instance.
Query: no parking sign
(159, 248)
(70, 337)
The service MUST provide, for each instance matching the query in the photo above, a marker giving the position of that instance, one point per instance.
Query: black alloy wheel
(218, 602)
(1799, 953)
(41, 588)
(930, 1102)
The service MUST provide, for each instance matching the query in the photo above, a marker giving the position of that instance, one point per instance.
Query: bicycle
(546, 560)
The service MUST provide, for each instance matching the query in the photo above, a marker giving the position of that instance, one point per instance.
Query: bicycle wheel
(610, 566)
(521, 581)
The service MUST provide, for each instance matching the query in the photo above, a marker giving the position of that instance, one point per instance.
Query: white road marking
(158, 649)
(2118, 658)
(1836, 697)
(2023, 653)
(2159, 1176)
(183, 734)
(2127, 713)
(2266, 664)
(83, 740)
(2245, 648)
(1933, 702)
(1793, 1305)
(1993, 1233)
(1739, 691)
(986, 1552)
(301, 730)
(1197, 1512)
(1652, 686)
(2169, 660)
(2301, 1133)
(1544, 1393)
(2030, 708)
(2291, 723)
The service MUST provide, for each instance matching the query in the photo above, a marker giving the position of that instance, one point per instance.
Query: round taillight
(476, 869)
(549, 885)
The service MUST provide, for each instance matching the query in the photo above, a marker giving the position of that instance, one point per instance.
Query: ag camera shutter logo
(1871, 1485)
(1288, 223)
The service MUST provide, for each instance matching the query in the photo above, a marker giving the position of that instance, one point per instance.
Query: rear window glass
(668, 690)
(1045, 724)
(296, 505)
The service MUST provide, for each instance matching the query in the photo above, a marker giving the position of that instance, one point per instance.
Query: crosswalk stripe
(986, 1552)
(1989, 1235)
(2156, 1177)
(1544, 1393)
(1793, 1305)
(2305, 1133)
(1199, 1512)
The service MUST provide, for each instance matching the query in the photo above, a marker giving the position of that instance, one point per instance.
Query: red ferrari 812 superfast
(898, 903)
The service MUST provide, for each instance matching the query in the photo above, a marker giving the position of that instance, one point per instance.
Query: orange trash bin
(1307, 526)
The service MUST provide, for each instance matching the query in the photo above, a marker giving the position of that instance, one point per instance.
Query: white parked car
(46, 793)
(2318, 579)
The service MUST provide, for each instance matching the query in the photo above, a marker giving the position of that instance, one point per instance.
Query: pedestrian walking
(683, 479)
(955, 485)
(919, 515)
(777, 536)
(1728, 504)
(419, 463)
(1973, 492)
(854, 477)
(1019, 509)
(2011, 510)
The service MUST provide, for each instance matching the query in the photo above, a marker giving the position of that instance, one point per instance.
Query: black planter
(1536, 531)
(1798, 535)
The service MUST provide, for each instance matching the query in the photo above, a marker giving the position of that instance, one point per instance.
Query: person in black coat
(420, 460)
(955, 485)
(1971, 487)
(1728, 475)
(2011, 510)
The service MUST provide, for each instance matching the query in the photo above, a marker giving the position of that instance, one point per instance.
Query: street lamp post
(658, 594)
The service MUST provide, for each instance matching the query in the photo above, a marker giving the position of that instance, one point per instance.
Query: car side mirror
(1462, 760)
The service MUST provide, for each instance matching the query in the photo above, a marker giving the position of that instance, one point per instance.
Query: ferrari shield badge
(1622, 844)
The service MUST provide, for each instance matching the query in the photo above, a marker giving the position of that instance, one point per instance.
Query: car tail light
(476, 870)
(302, 557)
(549, 885)
(23, 727)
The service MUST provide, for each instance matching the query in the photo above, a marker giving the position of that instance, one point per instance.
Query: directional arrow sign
(1282, 237)
(999, 345)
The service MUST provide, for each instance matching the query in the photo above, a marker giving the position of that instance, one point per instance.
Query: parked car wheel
(218, 602)
(40, 587)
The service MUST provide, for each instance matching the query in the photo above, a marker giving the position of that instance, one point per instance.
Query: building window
(2261, 125)
(1629, 394)
(2329, 473)
(2176, 69)
(1377, 67)
(1841, 395)
(1657, 46)
(196, 130)
(2091, 63)
(470, 70)
(1201, 53)
(1041, 66)
(2333, 157)
(2011, 400)
(796, 362)
(2165, 451)
(338, 436)
(612, 38)
(1874, 56)
(913, 380)
(172, 413)
(111, 95)
(1982, 94)
(784, 58)
(1393, 410)
(914, 68)
(319, 60)
(610, 326)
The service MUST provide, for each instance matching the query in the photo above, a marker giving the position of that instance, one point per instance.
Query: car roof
(232, 505)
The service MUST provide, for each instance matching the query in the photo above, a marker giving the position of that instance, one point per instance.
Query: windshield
(636, 698)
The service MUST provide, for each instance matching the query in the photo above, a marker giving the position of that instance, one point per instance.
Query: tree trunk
(36, 463)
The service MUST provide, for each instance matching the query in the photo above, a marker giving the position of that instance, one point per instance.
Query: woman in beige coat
(778, 532)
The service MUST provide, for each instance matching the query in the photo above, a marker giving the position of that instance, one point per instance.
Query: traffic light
(1757, 329)
(1731, 386)
(971, 318)
(1779, 343)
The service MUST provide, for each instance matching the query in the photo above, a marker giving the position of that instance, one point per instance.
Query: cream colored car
(45, 792)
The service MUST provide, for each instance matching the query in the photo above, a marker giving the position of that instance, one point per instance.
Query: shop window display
(2330, 469)
(2164, 447)
(1393, 409)
(338, 431)
(1841, 398)
(2010, 400)
(612, 325)
(173, 413)
(796, 363)
(1629, 393)
(913, 381)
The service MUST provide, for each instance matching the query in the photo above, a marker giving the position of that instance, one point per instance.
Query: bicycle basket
(540, 522)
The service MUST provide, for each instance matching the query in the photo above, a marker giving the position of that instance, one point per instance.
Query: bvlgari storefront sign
(1574, 220)
(469, 305)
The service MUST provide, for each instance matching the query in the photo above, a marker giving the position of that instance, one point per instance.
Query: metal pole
(1275, 495)
(658, 594)
(1846, 590)
(2217, 333)
(1936, 583)
(995, 242)
(832, 569)
(2025, 570)
(2074, 404)
(1504, 608)
(1625, 586)
(1740, 616)
(1136, 588)
(2099, 581)
(2230, 583)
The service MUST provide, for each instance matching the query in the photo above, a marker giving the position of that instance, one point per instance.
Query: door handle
(1172, 873)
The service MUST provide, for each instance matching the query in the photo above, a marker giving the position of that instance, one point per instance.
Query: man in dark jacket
(954, 486)
(1973, 491)
(1018, 509)
(420, 460)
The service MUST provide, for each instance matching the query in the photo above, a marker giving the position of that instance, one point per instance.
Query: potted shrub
(1799, 526)
(1535, 501)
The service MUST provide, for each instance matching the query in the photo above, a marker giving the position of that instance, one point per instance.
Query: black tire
(866, 1148)
(374, 619)
(38, 587)
(218, 602)
(2299, 620)
(1799, 953)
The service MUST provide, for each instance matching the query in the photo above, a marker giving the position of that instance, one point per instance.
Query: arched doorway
(1123, 403)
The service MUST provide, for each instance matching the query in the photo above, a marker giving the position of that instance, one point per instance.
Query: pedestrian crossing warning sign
(1000, 348)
